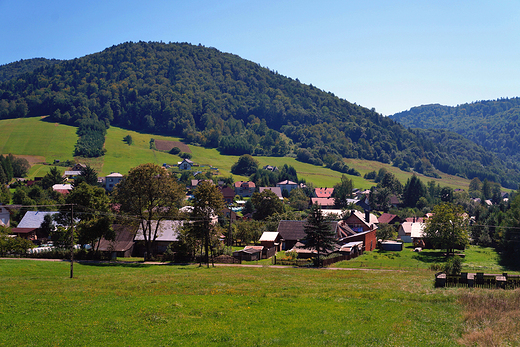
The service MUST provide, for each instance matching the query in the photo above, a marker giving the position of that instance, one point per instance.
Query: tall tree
(414, 189)
(266, 203)
(342, 191)
(149, 193)
(246, 165)
(319, 234)
(51, 178)
(95, 222)
(87, 175)
(448, 228)
(208, 202)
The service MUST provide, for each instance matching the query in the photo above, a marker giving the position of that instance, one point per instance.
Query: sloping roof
(414, 230)
(115, 174)
(387, 218)
(65, 186)
(34, 219)
(276, 190)
(323, 192)
(168, 231)
(291, 229)
(323, 201)
(269, 236)
(226, 191)
(123, 242)
(372, 219)
(245, 184)
(286, 182)
(343, 230)
(295, 229)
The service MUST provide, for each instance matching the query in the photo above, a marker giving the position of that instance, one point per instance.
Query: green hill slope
(42, 142)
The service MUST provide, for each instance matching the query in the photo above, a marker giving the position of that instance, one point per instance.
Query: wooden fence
(478, 280)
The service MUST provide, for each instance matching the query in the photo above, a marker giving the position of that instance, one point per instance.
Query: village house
(228, 193)
(112, 179)
(270, 239)
(276, 190)
(123, 244)
(323, 192)
(186, 164)
(30, 226)
(287, 185)
(410, 231)
(245, 189)
(167, 233)
(324, 202)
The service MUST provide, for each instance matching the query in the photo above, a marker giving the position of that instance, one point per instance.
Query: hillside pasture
(39, 138)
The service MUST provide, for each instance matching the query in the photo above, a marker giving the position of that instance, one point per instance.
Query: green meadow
(43, 142)
(163, 305)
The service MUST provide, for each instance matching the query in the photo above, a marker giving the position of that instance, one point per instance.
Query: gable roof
(372, 219)
(286, 182)
(245, 184)
(291, 229)
(323, 192)
(269, 236)
(415, 230)
(276, 190)
(34, 219)
(124, 239)
(387, 218)
(323, 201)
(168, 231)
(295, 229)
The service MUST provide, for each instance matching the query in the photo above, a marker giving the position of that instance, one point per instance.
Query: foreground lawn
(143, 305)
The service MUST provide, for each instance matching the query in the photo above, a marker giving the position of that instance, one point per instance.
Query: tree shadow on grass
(431, 257)
(100, 263)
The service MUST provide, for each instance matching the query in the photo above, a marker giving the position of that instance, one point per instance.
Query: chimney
(367, 216)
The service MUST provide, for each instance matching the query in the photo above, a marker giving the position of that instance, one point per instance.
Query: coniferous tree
(319, 234)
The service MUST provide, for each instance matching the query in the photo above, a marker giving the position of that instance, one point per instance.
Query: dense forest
(220, 100)
(9, 71)
(493, 124)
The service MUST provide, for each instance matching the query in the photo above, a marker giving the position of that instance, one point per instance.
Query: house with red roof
(323, 192)
(245, 189)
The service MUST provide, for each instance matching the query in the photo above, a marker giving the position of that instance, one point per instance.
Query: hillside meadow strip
(148, 305)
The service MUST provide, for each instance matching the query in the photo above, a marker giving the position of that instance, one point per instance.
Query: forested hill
(492, 124)
(12, 70)
(220, 100)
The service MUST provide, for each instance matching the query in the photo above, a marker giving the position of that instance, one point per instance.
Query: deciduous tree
(448, 228)
(149, 193)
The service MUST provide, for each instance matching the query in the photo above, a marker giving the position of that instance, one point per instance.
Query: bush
(175, 150)
(185, 155)
(453, 266)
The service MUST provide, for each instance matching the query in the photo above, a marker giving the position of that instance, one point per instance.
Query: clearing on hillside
(163, 145)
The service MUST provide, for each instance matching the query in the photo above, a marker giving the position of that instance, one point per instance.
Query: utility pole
(71, 240)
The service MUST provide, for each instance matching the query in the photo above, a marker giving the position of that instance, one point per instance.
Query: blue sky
(389, 55)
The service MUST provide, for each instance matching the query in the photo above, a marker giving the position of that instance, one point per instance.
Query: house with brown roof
(388, 218)
(123, 244)
(228, 193)
(270, 239)
(249, 253)
(244, 189)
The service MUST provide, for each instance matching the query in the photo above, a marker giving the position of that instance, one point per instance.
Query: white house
(112, 179)
(408, 231)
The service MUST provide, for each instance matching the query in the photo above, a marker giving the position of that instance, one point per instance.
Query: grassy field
(477, 259)
(40, 141)
(142, 305)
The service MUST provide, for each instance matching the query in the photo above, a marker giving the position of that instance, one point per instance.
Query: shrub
(175, 150)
